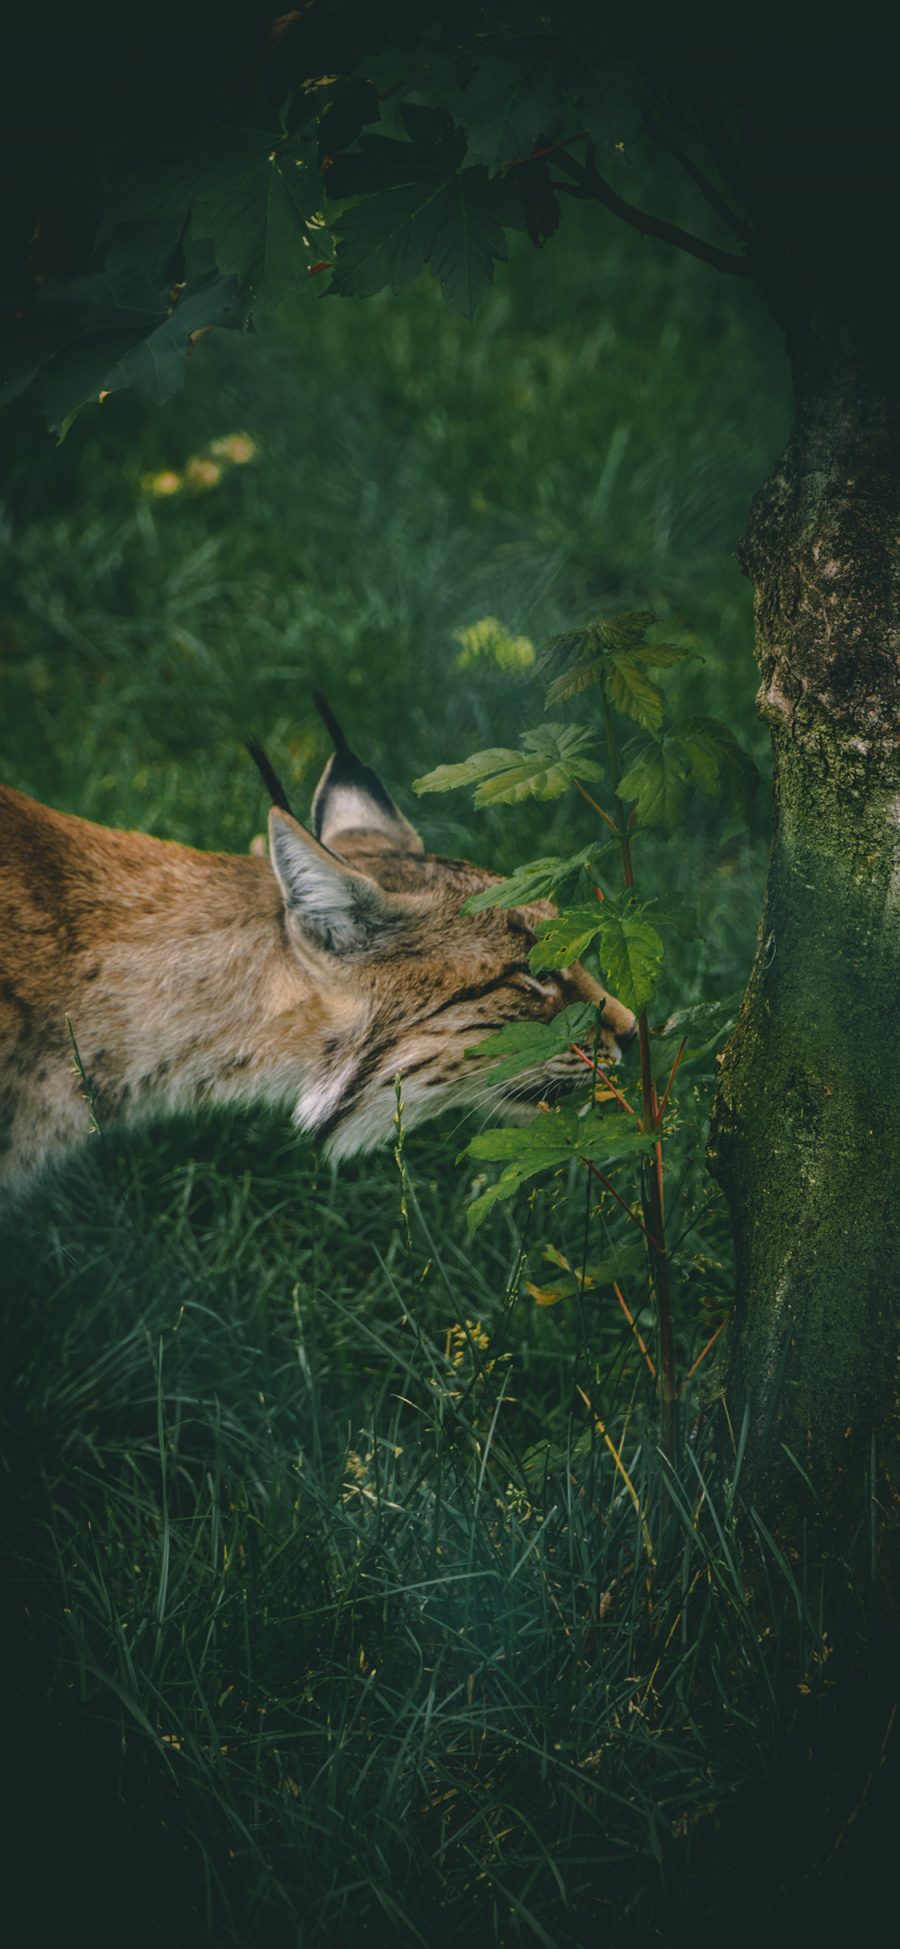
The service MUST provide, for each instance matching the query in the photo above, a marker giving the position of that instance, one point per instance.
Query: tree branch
(697, 176)
(591, 187)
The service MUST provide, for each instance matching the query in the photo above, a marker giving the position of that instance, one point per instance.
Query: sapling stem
(681, 1049)
(596, 808)
(652, 1172)
(635, 1329)
(705, 1350)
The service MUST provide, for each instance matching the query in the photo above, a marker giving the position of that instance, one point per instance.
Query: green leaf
(250, 192)
(156, 365)
(621, 670)
(558, 652)
(552, 758)
(435, 148)
(488, 641)
(719, 765)
(538, 201)
(119, 326)
(566, 937)
(583, 675)
(255, 212)
(551, 1142)
(631, 956)
(657, 783)
(446, 778)
(676, 914)
(417, 209)
(632, 691)
(539, 879)
(606, 99)
(468, 240)
(525, 1045)
(512, 98)
(618, 1264)
(623, 632)
(663, 656)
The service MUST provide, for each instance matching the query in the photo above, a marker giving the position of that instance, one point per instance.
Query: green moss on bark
(806, 1136)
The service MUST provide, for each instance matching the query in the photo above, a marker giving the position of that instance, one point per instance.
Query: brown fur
(194, 978)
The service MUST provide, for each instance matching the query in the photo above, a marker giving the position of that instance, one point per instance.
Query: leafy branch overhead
(349, 151)
(130, 323)
(417, 208)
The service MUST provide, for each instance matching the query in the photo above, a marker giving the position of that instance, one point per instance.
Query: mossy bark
(806, 1133)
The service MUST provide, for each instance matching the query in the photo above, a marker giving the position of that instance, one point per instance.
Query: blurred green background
(212, 1335)
(592, 442)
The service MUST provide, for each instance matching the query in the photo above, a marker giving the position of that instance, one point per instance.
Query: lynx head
(408, 983)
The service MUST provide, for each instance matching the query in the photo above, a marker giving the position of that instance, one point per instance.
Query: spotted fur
(307, 980)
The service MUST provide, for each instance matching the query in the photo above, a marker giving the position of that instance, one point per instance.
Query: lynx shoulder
(307, 980)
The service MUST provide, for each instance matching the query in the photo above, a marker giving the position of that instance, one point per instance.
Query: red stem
(681, 1048)
(595, 1066)
(705, 1350)
(635, 1329)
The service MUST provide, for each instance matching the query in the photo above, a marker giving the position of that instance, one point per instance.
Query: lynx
(309, 979)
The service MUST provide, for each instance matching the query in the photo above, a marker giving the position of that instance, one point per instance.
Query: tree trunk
(806, 1133)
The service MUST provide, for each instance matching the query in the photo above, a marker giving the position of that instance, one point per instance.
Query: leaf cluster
(556, 1139)
(371, 144)
(538, 879)
(614, 654)
(416, 208)
(131, 322)
(695, 753)
(526, 1045)
(553, 757)
(631, 951)
(610, 659)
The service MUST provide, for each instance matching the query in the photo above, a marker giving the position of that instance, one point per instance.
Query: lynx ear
(330, 906)
(351, 798)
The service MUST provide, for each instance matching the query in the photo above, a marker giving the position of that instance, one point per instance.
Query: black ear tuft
(331, 724)
(268, 775)
(351, 798)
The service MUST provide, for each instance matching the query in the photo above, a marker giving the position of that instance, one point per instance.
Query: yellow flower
(161, 485)
(200, 475)
(239, 448)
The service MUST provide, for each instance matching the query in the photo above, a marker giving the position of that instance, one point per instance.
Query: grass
(333, 1613)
